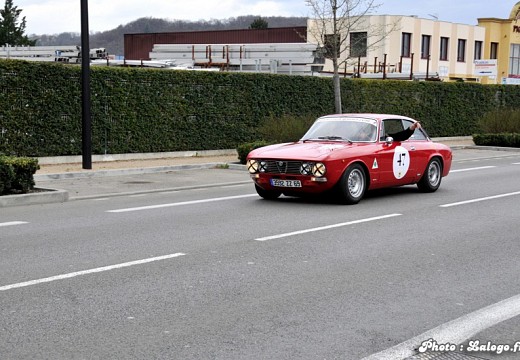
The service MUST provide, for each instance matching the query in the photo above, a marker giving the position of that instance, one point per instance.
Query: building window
(406, 43)
(514, 61)
(444, 48)
(461, 50)
(331, 43)
(478, 50)
(358, 44)
(425, 46)
(494, 51)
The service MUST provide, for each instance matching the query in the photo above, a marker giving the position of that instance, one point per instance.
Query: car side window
(390, 126)
(417, 134)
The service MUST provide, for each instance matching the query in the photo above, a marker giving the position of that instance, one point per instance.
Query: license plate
(286, 183)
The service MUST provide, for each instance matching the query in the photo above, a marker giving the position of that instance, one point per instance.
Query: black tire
(353, 184)
(431, 179)
(267, 194)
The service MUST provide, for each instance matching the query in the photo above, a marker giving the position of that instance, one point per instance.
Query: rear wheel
(353, 184)
(431, 179)
(267, 194)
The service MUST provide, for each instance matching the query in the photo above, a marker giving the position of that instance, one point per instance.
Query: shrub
(17, 174)
(500, 121)
(246, 148)
(502, 139)
(24, 170)
(6, 175)
(286, 128)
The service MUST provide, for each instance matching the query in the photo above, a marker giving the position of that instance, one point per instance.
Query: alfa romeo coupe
(349, 154)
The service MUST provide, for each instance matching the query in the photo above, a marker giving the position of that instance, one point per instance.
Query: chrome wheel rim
(434, 173)
(356, 183)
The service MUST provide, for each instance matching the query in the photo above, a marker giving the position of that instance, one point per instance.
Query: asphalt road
(218, 273)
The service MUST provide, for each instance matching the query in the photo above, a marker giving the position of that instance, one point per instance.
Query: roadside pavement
(139, 176)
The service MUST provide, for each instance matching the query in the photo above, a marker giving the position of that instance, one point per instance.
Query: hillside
(113, 40)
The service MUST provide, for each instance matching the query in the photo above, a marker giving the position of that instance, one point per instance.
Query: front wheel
(431, 179)
(353, 184)
(267, 194)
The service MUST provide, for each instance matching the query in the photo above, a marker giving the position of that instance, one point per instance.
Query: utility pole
(86, 133)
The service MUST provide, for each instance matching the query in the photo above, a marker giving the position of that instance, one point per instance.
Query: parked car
(350, 154)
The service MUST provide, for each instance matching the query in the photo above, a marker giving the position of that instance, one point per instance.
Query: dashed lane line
(151, 207)
(480, 199)
(472, 169)
(12, 223)
(456, 331)
(90, 271)
(321, 228)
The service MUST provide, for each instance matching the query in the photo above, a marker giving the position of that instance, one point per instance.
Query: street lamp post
(86, 133)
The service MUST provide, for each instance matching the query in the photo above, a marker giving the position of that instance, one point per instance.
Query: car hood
(300, 150)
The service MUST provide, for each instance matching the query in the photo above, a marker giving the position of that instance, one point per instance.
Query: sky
(57, 16)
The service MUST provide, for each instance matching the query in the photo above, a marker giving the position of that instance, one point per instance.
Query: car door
(397, 160)
(421, 147)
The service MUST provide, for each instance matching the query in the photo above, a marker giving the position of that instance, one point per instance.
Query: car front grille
(283, 167)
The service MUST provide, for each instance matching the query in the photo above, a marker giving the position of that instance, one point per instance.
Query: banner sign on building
(510, 81)
(485, 68)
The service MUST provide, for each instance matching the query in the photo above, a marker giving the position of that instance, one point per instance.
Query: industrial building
(139, 46)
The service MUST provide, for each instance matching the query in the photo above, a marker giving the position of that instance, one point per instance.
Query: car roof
(368, 115)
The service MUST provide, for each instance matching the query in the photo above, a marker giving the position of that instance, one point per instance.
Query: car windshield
(342, 129)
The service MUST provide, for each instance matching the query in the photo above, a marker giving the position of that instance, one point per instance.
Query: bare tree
(343, 30)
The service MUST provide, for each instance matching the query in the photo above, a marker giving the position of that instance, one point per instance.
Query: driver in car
(406, 133)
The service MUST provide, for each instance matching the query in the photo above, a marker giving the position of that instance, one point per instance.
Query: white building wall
(391, 46)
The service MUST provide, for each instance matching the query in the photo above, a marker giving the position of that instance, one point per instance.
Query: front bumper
(309, 184)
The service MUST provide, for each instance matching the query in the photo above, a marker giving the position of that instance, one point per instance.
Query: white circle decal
(401, 162)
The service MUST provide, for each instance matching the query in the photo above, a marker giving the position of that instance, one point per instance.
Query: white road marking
(481, 199)
(471, 169)
(456, 331)
(11, 223)
(485, 158)
(151, 207)
(326, 227)
(86, 272)
(233, 186)
(516, 163)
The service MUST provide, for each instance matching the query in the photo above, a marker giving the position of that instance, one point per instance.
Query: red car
(350, 154)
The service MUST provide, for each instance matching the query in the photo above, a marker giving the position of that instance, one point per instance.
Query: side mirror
(389, 140)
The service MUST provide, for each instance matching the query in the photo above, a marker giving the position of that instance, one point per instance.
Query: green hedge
(502, 139)
(17, 174)
(148, 110)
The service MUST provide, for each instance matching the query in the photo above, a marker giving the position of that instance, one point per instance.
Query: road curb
(495, 148)
(140, 192)
(129, 171)
(136, 156)
(42, 196)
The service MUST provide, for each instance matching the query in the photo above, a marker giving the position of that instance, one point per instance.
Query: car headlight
(319, 169)
(306, 169)
(262, 167)
(252, 166)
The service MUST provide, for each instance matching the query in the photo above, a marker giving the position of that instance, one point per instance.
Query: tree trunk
(337, 88)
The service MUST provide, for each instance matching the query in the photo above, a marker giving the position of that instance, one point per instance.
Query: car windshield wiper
(330, 137)
(333, 137)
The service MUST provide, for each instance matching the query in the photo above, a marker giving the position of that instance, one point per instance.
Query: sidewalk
(48, 169)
